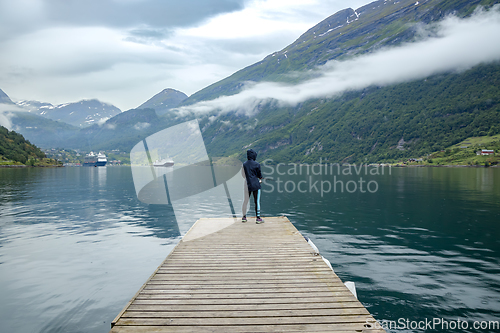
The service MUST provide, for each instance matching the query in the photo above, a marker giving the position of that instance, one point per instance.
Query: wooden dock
(229, 276)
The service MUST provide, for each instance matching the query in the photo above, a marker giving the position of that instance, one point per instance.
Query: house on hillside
(486, 152)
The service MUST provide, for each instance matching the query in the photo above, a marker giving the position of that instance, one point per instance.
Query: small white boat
(165, 162)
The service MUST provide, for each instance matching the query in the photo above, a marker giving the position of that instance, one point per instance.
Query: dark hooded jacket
(252, 171)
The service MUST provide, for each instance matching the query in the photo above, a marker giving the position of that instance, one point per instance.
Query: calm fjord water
(76, 244)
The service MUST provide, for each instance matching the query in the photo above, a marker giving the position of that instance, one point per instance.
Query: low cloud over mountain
(452, 44)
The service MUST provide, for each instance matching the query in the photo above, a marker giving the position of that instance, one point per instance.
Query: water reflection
(76, 244)
(425, 246)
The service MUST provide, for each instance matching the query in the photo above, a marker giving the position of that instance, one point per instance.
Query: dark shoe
(244, 219)
(259, 220)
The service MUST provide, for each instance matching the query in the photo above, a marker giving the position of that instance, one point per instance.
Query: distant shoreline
(29, 166)
(445, 166)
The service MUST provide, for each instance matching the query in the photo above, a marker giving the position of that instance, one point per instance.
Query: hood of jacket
(251, 154)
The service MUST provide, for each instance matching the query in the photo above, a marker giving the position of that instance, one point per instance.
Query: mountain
(373, 124)
(44, 132)
(343, 35)
(83, 113)
(164, 100)
(4, 99)
(35, 106)
(33, 119)
(122, 131)
(90, 124)
(13, 147)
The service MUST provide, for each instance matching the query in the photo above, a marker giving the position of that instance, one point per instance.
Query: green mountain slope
(14, 148)
(122, 131)
(44, 132)
(343, 35)
(373, 125)
(465, 153)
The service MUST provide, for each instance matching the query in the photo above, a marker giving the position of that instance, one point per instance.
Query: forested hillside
(14, 148)
(381, 123)
(44, 132)
(373, 125)
(344, 35)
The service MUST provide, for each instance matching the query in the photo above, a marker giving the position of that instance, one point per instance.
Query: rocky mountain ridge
(81, 114)
(164, 101)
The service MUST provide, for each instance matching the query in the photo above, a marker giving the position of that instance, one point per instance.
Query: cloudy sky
(125, 51)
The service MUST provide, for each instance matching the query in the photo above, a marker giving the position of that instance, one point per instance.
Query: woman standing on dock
(253, 177)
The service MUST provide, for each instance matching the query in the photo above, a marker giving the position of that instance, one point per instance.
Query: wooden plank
(202, 281)
(243, 275)
(228, 263)
(230, 301)
(237, 262)
(161, 289)
(243, 321)
(235, 257)
(224, 296)
(243, 265)
(229, 272)
(230, 285)
(243, 278)
(284, 328)
(246, 314)
(244, 307)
